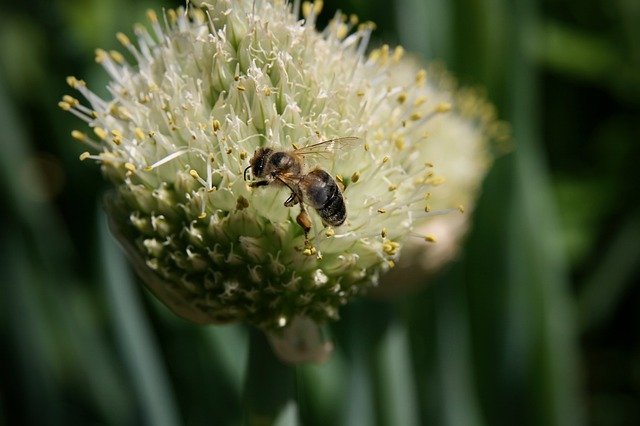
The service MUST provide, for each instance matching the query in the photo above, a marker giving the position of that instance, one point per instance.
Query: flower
(463, 145)
(202, 89)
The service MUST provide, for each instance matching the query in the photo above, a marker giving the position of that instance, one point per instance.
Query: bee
(316, 188)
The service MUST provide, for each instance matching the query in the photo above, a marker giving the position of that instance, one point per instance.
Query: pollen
(123, 39)
(391, 247)
(78, 135)
(430, 238)
(117, 56)
(152, 16)
(100, 132)
(443, 107)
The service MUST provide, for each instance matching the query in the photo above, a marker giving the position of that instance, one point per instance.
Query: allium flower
(198, 92)
(462, 145)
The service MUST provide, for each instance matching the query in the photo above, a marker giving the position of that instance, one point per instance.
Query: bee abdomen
(323, 194)
(334, 212)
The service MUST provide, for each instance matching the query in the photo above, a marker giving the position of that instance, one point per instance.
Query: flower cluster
(200, 90)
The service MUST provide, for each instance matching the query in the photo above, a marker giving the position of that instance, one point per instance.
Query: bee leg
(304, 221)
(259, 183)
(291, 201)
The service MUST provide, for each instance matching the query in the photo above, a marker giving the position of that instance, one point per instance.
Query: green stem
(269, 384)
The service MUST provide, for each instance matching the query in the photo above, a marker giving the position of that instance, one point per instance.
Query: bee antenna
(245, 173)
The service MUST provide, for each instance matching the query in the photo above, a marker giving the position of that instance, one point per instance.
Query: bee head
(257, 162)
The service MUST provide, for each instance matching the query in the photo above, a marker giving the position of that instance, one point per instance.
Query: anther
(123, 39)
(430, 238)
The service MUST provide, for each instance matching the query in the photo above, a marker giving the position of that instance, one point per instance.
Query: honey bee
(316, 188)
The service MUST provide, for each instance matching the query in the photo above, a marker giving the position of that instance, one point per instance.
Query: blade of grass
(612, 276)
(269, 390)
(230, 342)
(540, 303)
(78, 354)
(141, 352)
(398, 400)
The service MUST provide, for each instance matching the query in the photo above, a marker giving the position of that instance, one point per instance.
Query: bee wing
(330, 146)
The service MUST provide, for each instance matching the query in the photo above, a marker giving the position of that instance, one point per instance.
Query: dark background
(536, 322)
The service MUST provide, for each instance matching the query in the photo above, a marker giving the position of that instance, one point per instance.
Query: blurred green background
(536, 323)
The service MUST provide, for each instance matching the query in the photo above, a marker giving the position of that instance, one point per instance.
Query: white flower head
(197, 93)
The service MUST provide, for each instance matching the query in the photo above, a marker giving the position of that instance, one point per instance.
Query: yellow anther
(101, 55)
(427, 208)
(421, 76)
(428, 164)
(139, 133)
(381, 210)
(64, 105)
(329, 232)
(391, 264)
(339, 178)
(172, 15)
(342, 31)
(194, 174)
(202, 215)
(398, 53)
(355, 177)
(443, 107)
(216, 125)
(123, 39)
(385, 159)
(152, 16)
(85, 155)
(435, 180)
(461, 208)
(243, 155)
(420, 100)
(384, 233)
(100, 132)
(116, 56)
(360, 93)
(241, 87)
(415, 116)
(390, 247)
(78, 135)
(402, 97)
(267, 91)
(70, 100)
(366, 147)
(430, 238)
(129, 166)
(353, 19)
(399, 142)
(74, 82)
(392, 188)
(309, 251)
(427, 196)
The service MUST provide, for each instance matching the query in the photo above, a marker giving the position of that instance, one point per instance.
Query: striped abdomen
(322, 193)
